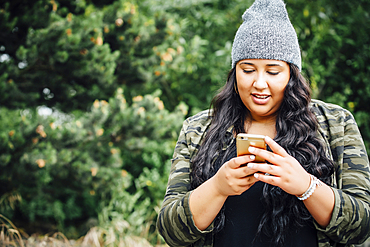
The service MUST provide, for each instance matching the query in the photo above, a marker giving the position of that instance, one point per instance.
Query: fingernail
(251, 149)
(252, 157)
(250, 165)
(256, 175)
(268, 138)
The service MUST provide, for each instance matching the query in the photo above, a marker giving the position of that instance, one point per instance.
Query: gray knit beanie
(266, 33)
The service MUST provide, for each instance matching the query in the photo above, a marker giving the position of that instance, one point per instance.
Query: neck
(261, 126)
(269, 119)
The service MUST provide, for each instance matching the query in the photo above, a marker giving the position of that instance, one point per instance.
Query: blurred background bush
(93, 94)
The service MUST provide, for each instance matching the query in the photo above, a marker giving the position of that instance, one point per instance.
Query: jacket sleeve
(175, 221)
(350, 222)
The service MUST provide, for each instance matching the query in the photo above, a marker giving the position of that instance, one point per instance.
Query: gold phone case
(243, 141)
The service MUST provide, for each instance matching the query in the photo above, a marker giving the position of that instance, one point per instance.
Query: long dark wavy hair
(296, 127)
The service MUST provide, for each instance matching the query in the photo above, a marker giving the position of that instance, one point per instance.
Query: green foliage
(336, 53)
(68, 60)
(68, 168)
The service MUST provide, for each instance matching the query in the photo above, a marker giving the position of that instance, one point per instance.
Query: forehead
(263, 62)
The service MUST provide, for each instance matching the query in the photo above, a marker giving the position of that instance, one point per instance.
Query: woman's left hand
(284, 171)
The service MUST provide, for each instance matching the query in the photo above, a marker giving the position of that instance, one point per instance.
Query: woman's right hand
(234, 177)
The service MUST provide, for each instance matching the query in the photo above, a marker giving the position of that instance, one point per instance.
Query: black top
(242, 216)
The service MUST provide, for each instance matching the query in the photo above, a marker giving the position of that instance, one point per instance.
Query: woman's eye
(273, 73)
(248, 71)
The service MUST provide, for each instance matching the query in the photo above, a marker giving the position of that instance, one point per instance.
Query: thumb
(241, 160)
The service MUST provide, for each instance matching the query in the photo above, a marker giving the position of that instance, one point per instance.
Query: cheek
(279, 91)
(281, 85)
(243, 82)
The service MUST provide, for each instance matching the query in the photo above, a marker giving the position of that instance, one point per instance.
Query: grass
(10, 236)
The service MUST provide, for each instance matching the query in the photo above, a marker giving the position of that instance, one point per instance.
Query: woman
(314, 189)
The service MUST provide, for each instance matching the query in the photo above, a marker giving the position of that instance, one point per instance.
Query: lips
(261, 99)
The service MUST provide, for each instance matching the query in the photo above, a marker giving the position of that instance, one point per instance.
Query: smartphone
(243, 141)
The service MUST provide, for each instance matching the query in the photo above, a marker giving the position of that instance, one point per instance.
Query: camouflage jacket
(350, 221)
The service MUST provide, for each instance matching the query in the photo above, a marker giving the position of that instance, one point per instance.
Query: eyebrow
(270, 65)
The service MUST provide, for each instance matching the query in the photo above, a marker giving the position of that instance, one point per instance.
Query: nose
(260, 82)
